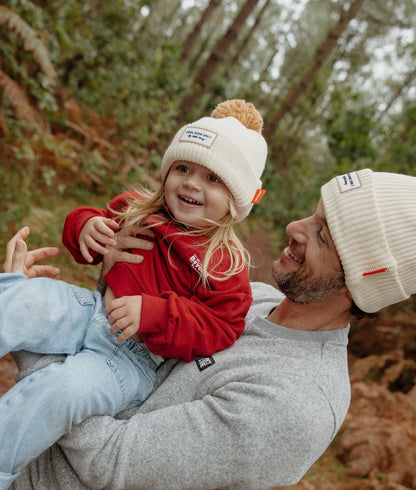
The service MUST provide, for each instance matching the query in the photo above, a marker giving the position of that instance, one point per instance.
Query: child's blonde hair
(230, 144)
(220, 237)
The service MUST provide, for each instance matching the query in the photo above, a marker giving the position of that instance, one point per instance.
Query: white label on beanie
(348, 181)
(198, 135)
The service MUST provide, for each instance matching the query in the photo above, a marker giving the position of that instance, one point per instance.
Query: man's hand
(126, 240)
(18, 259)
(96, 234)
(124, 316)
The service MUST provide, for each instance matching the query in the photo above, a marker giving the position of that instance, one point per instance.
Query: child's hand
(95, 234)
(124, 315)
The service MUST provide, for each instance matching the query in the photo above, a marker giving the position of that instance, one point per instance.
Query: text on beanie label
(198, 135)
(348, 181)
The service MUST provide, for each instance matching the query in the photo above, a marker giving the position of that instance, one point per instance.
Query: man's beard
(300, 287)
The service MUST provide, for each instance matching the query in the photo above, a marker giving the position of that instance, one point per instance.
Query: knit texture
(372, 220)
(235, 153)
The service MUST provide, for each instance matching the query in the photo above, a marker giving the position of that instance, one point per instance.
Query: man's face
(309, 269)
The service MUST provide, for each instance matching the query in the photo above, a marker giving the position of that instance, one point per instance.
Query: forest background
(91, 93)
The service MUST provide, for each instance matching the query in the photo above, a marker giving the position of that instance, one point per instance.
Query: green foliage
(110, 67)
(120, 83)
(26, 70)
(30, 39)
(351, 131)
(400, 144)
(114, 107)
(102, 57)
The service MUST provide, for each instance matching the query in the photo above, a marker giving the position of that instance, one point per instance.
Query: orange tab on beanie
(258, 196)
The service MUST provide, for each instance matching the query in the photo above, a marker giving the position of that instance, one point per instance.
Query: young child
(188, 298)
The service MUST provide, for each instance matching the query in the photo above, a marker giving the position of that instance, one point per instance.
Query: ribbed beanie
(372, 220)
(230, 144)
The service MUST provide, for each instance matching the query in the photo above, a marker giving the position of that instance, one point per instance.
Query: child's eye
(182, 168)
(214, 178)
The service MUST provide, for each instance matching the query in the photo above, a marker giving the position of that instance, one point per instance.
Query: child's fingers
(85, 252)
(126, 334)
(105, 240)
(107, 227)
(98, 239)
(125, 326)
(115, 327)
(90, 243)
(114, 305)
(120, 316)
(116, 315)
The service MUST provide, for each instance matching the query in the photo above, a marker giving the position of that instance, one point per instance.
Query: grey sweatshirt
(253, 416)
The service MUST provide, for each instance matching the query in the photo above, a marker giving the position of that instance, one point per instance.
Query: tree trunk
(321, 55)
(190, 41)
(168, 16)
(246, 40)
(207, 70)
(159, 16)
(407, 82)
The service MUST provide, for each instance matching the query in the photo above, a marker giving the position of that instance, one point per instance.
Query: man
(261, 412)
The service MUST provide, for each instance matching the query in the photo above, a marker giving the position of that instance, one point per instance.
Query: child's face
(194, 194)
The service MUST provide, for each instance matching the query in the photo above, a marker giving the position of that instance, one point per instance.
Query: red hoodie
(180, 317)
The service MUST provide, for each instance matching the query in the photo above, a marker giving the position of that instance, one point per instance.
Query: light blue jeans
(98, 376)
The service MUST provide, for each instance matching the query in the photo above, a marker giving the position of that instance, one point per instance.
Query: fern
(17, 97)
(31, 41)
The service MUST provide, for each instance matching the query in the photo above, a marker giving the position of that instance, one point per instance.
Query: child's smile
(194, 195)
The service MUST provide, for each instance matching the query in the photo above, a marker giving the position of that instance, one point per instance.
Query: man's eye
(322, 238)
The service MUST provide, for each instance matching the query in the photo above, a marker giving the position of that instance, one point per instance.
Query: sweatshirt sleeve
(185, 328)
(77, 218)
(240, 436)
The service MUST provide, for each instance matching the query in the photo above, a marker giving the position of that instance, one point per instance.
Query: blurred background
(91, 93)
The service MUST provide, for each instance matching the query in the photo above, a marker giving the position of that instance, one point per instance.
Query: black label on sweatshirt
(204, 362)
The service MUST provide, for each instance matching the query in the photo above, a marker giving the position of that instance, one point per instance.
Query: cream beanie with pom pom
(230, 144)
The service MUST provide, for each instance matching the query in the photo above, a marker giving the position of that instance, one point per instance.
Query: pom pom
(244, 111)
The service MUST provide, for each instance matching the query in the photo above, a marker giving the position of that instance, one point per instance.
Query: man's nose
(300, 230)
